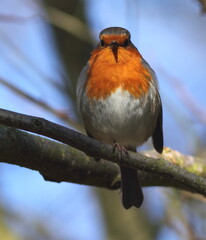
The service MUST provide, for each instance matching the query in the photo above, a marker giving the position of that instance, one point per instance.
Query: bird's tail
(132, 194)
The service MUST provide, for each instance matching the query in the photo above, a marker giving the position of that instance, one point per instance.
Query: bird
(119, 101)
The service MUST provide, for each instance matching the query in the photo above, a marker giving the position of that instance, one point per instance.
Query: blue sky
(171, 36)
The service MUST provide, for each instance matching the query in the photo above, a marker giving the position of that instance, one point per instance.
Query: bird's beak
(114, 46)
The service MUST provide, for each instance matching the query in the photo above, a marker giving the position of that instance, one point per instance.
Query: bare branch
(203, 5)
(186, 98)
(68, 23)
(7, 18)
(30, 63)
(58, 162)
(60, 114)
(98, 149)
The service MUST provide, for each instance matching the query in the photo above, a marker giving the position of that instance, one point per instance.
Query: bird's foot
(121, 150)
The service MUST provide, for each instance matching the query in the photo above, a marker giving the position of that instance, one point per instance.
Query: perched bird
(118, 98)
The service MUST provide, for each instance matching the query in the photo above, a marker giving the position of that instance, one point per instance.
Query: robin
(118, 98)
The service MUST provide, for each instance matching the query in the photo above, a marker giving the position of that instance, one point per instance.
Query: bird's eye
(126, 42)
(102, 43)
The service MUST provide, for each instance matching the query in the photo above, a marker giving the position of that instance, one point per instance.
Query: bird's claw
(121, 150)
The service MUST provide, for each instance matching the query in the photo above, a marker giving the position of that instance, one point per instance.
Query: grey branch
(58, 162)
(55, 161)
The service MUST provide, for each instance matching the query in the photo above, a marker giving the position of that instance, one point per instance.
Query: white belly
(121, 118)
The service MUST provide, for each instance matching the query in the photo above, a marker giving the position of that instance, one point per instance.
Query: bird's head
(114, 38)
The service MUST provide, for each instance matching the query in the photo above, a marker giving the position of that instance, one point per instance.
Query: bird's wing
(81, 82)
(157, 136)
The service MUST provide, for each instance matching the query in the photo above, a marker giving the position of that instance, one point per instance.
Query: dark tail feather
(132, 194)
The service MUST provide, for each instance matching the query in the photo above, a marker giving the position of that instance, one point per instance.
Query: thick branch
(59, 162)
(55, 161)
(95, 148)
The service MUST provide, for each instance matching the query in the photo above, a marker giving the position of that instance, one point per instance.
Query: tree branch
(55, 161)
(203, 5)
(60, 114)
(60, 163)
(68, 23)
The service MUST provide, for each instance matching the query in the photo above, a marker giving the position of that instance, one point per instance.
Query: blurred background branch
(60, 114)
(68, 23)
(203, 5)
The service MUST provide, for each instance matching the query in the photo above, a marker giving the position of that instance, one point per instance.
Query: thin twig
(26, 59)
(186, 97)
(60, 114)
(8, 18)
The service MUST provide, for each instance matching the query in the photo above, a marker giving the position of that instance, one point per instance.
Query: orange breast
(105, 75)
